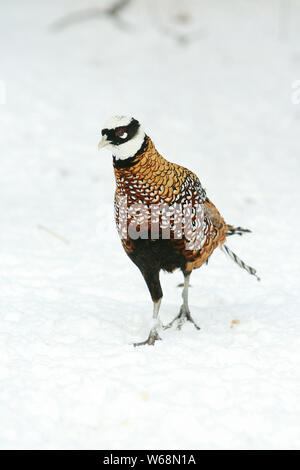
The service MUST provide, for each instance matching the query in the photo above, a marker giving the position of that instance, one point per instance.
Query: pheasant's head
(123, 136)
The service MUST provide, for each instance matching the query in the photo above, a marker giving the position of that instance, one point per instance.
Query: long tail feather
(231, 230)
(239, 262)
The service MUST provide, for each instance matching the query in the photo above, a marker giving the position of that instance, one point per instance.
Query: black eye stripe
(109, 133)
(131, 129)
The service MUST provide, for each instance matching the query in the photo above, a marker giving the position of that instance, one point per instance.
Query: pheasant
(164, 218)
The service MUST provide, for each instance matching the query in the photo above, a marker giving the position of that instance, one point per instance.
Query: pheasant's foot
(153, 336)
(183, 315)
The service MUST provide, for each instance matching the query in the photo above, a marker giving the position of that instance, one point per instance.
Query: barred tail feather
(239, 262)
(231, 230)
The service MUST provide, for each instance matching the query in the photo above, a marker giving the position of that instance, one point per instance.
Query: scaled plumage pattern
(155, 198)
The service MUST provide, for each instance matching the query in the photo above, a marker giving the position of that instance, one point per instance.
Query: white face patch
(117, 121)
(129, 148)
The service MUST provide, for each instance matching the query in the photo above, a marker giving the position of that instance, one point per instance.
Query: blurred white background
(216, 86)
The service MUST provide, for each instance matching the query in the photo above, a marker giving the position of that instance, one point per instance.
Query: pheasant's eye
(121, 133)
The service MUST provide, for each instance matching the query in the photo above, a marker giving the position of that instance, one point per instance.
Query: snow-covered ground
(211, 83)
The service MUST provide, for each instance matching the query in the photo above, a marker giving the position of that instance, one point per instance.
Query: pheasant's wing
(214, 216)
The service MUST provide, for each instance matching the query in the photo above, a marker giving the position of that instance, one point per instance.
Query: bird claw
(153, 336)
(183, 315)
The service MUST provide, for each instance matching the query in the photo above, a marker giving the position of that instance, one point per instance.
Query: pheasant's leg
(153, 335)
(152, 280)
(184, 313)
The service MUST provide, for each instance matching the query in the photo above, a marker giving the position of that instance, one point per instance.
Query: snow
(212, 84)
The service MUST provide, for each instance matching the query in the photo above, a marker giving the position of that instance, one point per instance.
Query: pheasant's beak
(103, 142)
